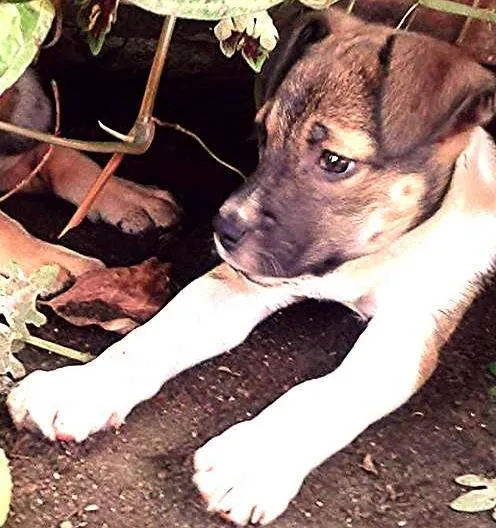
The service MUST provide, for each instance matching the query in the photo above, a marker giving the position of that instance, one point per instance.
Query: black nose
(230, 230)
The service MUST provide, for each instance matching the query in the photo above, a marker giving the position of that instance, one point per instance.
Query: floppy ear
(430, 91)
(294, 40)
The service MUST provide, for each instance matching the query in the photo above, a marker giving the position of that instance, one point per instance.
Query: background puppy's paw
(64, 404)
(135, 208)
(71, 264)
(246, 474)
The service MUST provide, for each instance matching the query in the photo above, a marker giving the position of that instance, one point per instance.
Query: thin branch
(83, 357)
(466, 25)
(92, 194)
(411, 9)
(59, 21)
(179, 128)
(29, 178)
(350, 7)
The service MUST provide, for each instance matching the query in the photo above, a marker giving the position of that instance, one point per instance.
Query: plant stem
(83, 357)
(455, 8)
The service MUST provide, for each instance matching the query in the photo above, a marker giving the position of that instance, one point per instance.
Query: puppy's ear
(430, 91)
(294, 40)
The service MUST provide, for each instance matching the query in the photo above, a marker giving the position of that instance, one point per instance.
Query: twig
(92, 194)
(59, 21)
(46, 155)
(142, 131)
(350, 7)
(143, 128)
(456, 8)
(411, 9)
(83, 357)
(180, 128)
(468, 20)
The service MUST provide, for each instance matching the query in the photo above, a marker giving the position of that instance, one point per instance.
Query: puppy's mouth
(263, 280)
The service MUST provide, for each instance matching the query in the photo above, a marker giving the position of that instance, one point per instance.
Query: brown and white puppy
(133, 208)
(376, 188)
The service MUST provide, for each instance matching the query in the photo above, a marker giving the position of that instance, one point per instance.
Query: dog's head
(359, 133)
(24, 104)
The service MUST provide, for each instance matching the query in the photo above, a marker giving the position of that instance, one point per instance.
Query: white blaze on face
(374, 226)
(405, 193)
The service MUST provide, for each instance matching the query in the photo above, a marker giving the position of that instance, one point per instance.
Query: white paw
(247, 474)
(69, 403)
(134, 208)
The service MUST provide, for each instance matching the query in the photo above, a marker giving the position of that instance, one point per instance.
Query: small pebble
(91, 508)
(66, 524)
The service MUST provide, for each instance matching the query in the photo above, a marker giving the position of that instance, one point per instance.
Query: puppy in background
(376, 188)
(69, 174)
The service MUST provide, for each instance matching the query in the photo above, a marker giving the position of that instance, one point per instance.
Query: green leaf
(23, 28)
(475, 501)
(18, 295)
(255, 35)
(492, 368)
(205, 9)
(95, 18)
(473, 481)
(5, 487)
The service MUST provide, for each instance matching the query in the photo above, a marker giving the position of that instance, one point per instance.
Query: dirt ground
(140, 476)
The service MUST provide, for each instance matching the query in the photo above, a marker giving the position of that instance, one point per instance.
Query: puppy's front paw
(247, 474)
(134, 208)
(69, 403)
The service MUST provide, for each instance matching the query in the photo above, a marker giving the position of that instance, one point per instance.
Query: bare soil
(140, 476)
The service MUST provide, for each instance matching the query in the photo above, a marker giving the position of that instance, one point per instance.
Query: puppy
(132, 208)
(375, 188)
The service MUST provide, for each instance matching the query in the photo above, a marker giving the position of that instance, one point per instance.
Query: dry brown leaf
(116, 299)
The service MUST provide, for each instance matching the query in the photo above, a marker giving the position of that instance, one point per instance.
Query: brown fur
(357, 90)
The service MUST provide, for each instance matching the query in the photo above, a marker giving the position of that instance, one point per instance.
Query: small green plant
(478, 500)
(18, 295)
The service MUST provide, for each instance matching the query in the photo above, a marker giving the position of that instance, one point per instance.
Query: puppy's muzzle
(230, 230)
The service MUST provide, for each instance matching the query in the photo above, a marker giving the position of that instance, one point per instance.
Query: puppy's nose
(230, 229)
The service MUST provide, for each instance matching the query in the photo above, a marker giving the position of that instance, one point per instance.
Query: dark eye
(337, 166)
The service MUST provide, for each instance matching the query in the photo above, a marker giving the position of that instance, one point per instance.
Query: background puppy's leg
(131, 207)
(30, 253)
(251, 472)
(211, 315)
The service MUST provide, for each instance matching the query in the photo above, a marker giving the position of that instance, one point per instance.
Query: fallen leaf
(368, 464)
(475, 501)
(116, 299)
(472, 481)
(5, 487)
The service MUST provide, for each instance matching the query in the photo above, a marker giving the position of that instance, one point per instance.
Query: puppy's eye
(337, 166)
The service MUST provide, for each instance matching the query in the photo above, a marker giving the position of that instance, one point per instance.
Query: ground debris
(116, 299)
(368, 464)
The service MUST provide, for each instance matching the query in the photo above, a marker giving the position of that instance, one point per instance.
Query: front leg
(251, 472)
(210, 316)
(69, 174)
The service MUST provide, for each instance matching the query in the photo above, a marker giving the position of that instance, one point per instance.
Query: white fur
(252, 471)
